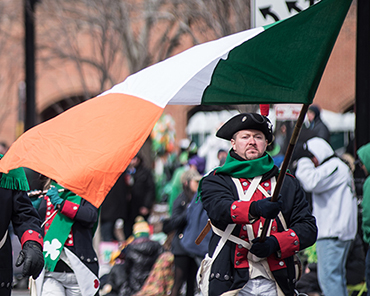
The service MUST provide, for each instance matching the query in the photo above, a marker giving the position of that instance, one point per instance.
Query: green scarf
(247, 168)
(242, 168)
(58, 232)
(14, 179)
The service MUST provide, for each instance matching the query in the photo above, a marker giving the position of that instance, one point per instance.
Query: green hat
(14, 179)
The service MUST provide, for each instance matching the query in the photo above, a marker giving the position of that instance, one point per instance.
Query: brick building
(59, 86)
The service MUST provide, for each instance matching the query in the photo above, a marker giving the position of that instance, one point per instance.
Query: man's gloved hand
(53, 194)
(265, 249)
(32, 259)
(266, 208)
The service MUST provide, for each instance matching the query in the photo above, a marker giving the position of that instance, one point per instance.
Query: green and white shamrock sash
(58, 232)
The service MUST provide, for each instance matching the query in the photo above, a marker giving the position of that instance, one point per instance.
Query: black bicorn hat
(244, 121)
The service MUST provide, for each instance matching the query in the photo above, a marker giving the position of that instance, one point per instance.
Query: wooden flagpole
(284, 166)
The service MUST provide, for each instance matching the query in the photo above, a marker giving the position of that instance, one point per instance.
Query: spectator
(128, 276)
(185, 264)
(355, 269)
(316, 125)
(141, 193)
(221, 156)
(335, 207)
(114, 207)
(364, 157)
(236, 197)
(197, 163)
(160, 279)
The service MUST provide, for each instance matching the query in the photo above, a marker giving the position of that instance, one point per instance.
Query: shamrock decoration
(52, 248)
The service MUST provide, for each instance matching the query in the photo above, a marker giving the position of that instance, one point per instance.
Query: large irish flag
(87, 147)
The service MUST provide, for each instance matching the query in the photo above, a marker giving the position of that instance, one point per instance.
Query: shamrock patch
(52, 249)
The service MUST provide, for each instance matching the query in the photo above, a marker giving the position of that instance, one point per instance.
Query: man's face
(249, 144)
(310, 115)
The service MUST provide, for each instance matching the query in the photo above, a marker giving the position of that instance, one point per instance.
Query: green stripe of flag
(283, 64)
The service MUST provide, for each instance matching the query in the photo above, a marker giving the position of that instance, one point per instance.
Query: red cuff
(31, 235)
(69, 209)
(240, 211)
(288, 242)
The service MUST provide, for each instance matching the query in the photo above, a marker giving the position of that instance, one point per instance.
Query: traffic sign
(265, 12)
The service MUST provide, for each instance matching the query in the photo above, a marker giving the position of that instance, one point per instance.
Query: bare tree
(12, 56)
(114, 37)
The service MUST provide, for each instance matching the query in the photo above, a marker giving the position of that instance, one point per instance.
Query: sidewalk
(16, 292)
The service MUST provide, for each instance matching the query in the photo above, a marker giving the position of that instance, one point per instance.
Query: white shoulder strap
(2, 242)
(247, 196)
(252, 188)
(273, 185)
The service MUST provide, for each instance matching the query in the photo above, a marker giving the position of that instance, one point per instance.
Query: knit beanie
(140, 228)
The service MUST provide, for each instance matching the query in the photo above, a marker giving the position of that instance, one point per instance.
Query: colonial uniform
(233, 274)
(294, 230)
(17, 208)
(77, 218)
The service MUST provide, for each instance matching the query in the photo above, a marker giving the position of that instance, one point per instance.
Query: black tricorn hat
(245, 121)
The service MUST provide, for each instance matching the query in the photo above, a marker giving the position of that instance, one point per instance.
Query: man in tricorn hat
(238, 194)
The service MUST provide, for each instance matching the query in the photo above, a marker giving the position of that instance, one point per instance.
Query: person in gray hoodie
(334, 205)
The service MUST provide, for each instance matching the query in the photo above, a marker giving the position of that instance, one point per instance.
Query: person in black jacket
(140, 194)
(316, 125)
(237, 198)
(128, 275)
(114, 207)
(185, 264)
(140, 256)
(16, 208)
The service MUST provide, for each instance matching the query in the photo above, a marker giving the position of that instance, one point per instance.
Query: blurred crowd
(153, 216)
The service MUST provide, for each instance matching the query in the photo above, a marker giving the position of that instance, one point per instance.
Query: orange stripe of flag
(96, 139)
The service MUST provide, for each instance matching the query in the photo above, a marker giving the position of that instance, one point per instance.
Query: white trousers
(259, 286)
(60, 284)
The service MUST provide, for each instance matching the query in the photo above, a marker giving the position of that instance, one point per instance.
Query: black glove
(266, 208)
(265, 249)
(33, 259)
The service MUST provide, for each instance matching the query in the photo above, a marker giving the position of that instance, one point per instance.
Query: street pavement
(19, 292)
